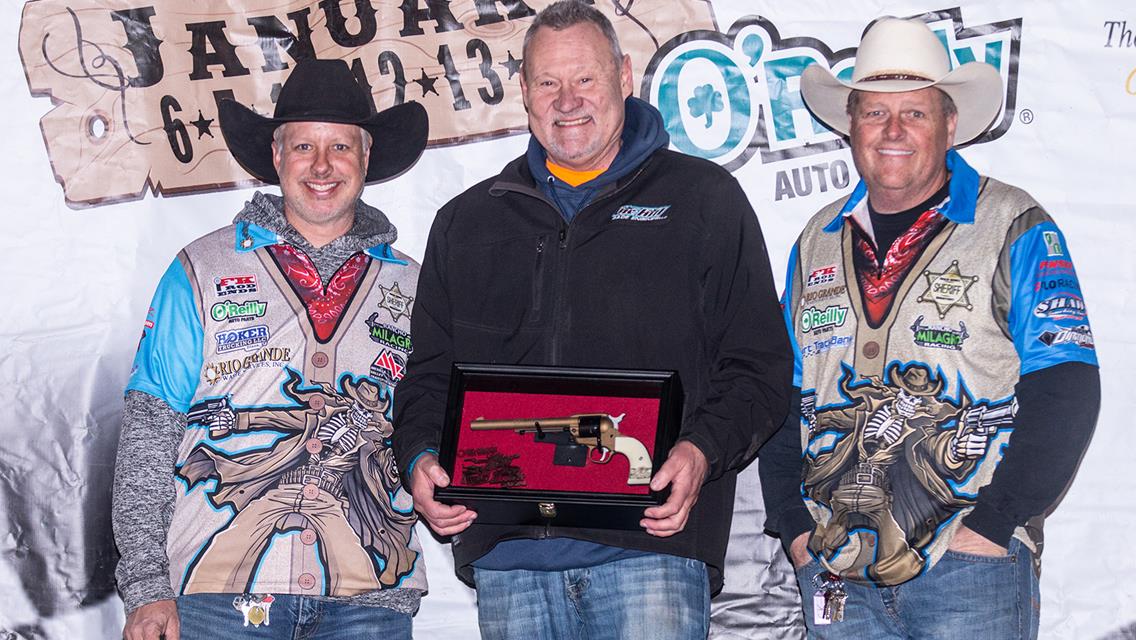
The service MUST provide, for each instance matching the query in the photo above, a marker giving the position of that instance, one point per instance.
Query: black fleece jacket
(506, 280)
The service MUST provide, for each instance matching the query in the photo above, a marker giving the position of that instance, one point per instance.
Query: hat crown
(900, 49)
(323, 90)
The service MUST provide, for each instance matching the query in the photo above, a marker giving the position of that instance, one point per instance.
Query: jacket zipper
(538, 278)
(562, 263)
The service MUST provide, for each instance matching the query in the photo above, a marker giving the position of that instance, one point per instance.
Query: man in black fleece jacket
(599, 248)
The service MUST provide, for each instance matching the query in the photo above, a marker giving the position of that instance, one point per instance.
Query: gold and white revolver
(582, 437)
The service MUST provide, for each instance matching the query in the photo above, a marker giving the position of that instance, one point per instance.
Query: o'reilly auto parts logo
(727, 96)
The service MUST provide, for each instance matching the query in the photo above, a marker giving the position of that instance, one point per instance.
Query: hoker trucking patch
(134, 86)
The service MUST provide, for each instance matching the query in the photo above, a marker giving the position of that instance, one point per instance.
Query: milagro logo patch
(939, 337)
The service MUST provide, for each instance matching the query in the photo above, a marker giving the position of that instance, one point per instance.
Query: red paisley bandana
(878, 284)
(324, 307)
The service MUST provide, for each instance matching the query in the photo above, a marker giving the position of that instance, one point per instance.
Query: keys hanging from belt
(829, 598)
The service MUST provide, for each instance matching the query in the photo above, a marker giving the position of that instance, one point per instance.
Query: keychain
(829, 598)
(254, 607)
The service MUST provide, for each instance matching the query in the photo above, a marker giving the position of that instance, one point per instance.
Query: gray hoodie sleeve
(143, 501)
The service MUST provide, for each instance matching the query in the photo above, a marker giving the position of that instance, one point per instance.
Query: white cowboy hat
(905, 55)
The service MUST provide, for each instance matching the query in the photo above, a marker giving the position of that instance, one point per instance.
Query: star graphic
(395, 302)
(948, 289)
(202, 123)
(427, 84)
(512, 64)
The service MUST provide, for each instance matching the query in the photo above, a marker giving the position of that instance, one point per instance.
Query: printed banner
(136, 86)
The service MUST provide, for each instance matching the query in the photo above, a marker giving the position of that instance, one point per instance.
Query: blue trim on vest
(959, 209)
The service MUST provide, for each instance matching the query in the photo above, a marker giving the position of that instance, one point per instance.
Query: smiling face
(899, 144)
(574, 91)
(321, 167)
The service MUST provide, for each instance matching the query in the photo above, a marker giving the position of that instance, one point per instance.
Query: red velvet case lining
(534, 460)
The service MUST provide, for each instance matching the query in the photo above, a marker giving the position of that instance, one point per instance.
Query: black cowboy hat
(916, 381)
(326, 91)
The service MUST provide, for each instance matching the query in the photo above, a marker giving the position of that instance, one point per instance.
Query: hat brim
(975, 87)
(398, 137)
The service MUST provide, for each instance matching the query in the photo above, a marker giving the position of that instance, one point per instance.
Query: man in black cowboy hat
(945, 363)
(255, 488)
(600, 248)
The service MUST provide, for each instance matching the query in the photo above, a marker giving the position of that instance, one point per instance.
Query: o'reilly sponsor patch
(636, 213)
(813, 319)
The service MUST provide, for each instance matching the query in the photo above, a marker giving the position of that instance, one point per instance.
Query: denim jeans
(655, 596)
(962, 597)
(211, 616)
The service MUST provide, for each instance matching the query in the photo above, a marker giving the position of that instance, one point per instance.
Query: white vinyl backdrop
(78, 282)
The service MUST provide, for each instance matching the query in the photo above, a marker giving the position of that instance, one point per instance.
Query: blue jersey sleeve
(169, 360)
(1048, 320)
(787, 306)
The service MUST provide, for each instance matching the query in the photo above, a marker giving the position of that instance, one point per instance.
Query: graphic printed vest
(903, 423)
(285, 479)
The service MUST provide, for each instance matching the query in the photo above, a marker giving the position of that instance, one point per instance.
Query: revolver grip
(637, 457)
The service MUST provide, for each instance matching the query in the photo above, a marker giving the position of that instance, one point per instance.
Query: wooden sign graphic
(135, 86)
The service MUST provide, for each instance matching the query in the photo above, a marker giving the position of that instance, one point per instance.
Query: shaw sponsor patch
(1061, 308)
(636, 213)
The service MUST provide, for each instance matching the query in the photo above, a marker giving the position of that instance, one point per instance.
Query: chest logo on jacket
(395, 302)
(636, 213)
(948, 289)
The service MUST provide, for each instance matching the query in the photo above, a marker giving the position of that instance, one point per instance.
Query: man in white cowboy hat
(255, 488)
(945, 365)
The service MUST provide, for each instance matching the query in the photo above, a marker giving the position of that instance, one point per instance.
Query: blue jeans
(962, 597)
(210, 616)
(655, 596)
